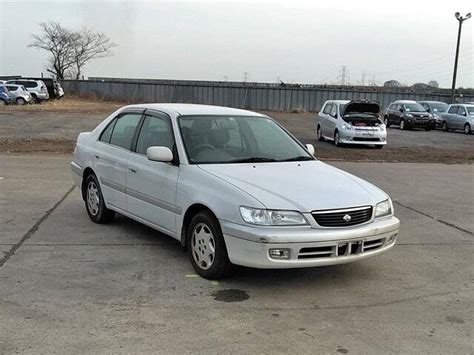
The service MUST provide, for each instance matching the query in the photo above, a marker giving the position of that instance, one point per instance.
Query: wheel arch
(87, 171)
(191, 211)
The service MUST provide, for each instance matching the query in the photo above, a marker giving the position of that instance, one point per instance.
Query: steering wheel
(199, 148)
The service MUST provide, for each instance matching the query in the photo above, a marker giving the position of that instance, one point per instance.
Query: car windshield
(414, 108)
(470, 110)
(439, 107)
(237, 139)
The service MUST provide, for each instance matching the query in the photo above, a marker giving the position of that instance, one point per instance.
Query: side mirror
(401, 109)
(310, 148)
(162, 154)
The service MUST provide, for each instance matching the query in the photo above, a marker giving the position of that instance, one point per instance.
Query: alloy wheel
(203, 246)
(93, 198)
(402, 125)
(467, 128)
(337, 141)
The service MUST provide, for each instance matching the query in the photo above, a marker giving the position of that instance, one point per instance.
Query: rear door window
(462, 111)
(124, 130)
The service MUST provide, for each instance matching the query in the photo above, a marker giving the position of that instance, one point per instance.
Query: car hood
(304, 186)
(361, 107)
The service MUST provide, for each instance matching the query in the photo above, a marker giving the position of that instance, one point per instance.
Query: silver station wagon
(233, 186)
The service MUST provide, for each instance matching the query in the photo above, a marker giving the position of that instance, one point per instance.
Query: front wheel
(94, 200)
(402, 125)
(467, 128)
(20, 101)
(444, 126)
(206, 247)
(337, 139)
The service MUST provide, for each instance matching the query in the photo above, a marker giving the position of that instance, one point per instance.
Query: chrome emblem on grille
(347, 218)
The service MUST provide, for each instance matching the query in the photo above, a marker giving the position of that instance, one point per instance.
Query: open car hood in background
(362, 107)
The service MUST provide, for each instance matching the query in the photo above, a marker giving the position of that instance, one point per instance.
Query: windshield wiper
(252, 160)
(298, 158)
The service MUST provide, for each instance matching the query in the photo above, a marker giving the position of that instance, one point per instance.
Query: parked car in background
(59, 90)
(408, 114)
(5, 97)
(37, 88)
(436, 108)
(232, 186)
(459, 117)
(19, 94)
(351, 122)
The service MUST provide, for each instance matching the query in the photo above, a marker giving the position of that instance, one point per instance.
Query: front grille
(340, 218)
(363, 139)
(341, 249)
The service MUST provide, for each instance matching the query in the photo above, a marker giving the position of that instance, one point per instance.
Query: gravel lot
(68, 285)
(54, 127)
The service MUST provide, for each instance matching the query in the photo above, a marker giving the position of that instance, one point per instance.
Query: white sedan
(233, 186)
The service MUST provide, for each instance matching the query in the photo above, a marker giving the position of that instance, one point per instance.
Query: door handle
(97, 157)
(133, 171)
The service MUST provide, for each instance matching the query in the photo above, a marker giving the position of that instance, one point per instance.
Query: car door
(111, 155)
(450, 116)
(151, 185)
(324, 118)
(461, 117)
(392, 117)
(332, 119)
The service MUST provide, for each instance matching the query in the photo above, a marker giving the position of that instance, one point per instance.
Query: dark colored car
(408, 114)
(436, 108)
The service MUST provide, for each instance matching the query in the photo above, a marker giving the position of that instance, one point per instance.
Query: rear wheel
(206, 247)
(467, 128)
(35, 99)
(319, 133)
(94, 200)
(20, 101)
(444, 126)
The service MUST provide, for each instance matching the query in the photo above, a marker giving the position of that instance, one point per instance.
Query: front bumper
(416, 123)
(308, 246)
(355, 136)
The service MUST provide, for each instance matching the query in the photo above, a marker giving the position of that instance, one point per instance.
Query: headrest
(218, 137)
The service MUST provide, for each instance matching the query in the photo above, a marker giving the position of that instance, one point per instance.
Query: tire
(203, 235)
(427, 129)
(94, 201)
(444, 126)
(337, 141)
(20, 101)
(467, 128)
(35, 99)
(402, 125)
(378, 146)
(385, 121)
(319, 133)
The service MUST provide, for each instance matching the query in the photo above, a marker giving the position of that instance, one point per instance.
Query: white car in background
(233, 186)
(19, 94)
(351, 122)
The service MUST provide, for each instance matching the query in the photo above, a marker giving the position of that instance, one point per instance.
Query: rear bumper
(308, 247)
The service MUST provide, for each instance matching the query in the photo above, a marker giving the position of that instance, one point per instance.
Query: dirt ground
(52, 127)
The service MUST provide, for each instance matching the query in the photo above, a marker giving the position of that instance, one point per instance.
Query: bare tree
(57, 40)
(71, 50)
(90, 45)
(433, 83)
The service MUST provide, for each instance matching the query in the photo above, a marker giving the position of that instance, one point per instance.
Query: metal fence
(240, 95)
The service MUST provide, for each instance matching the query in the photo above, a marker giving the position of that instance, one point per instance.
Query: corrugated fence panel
(257, 97)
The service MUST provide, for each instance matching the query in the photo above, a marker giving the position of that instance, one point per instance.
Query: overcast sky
(297, 41)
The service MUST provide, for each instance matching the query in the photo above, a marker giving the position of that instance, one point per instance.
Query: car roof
(338, 101)
(404, 102)
(432, 102)
(194, 109)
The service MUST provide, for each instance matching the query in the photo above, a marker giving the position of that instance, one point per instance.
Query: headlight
(383, 209)
(382, 127)
(430, 116)
(263, 217)
(409, 115)
(346, 126)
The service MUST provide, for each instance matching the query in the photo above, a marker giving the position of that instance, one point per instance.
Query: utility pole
(460, 20)
(246, 76)
(363, 78)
